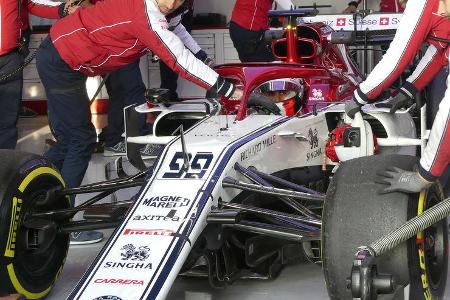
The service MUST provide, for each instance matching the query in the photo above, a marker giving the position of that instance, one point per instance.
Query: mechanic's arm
(48, 9)
(436, 156)
(433, 163)
(427, 68)
(430, 64)
(412, 31)
(188, 40)
(164, 43)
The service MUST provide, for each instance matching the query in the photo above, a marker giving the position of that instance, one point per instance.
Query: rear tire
(355, 214)
(24, 180)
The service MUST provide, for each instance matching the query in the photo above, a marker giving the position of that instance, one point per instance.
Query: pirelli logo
(15, 215)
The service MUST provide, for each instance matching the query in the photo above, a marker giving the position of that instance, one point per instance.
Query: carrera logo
(15, 215)
(341, 21)
(384, 21)
(164, 232)
(119, 281)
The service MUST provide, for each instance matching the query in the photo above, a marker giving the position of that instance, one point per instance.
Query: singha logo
(130, 252)
(317, 93)
(312, 138)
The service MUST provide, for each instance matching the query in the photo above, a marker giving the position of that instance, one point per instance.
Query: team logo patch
(130, 252)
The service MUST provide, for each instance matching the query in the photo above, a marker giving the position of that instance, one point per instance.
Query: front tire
(24, 181)
(355, 214)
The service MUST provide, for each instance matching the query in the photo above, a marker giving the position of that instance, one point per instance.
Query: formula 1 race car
(238, 191)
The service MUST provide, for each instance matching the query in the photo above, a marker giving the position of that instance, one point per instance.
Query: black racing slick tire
(28, 267)
(355, 214)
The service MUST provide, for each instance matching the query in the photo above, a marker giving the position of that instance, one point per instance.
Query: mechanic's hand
(350, 9)
(398, 180)
(209, 62)
(401, 100)
(70, 7)
(352, 107)
(238, 93)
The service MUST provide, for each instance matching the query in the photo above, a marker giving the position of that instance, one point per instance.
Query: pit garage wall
(216, 42)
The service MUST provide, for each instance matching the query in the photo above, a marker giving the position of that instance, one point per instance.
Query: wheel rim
(432, 243)
(31, 262)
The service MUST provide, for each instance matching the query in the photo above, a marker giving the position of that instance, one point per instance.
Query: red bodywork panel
(327, 72)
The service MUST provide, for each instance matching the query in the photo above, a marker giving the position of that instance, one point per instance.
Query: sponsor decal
(108, 297)
(119, 281)
(165, 232)
(255, 149)
(169, 217)
(129, 251)
(313, 140)
(198, 166)
(318, 92)
(395, 21)
(340, 21)
(14, 222)
(384, 21)
(132, 258)
(166, 201)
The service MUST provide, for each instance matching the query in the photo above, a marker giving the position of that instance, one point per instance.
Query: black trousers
(250, 45)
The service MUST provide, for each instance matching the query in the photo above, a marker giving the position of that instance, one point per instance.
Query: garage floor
(300, 281)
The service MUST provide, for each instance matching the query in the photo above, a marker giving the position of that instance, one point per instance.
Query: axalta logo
(15, 215)
(119, 281)
(165, 232)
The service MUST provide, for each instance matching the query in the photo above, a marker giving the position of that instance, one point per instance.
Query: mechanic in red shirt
(125, 87)
(12, 18)
(249, 21)
(94, 41)
(420, 20)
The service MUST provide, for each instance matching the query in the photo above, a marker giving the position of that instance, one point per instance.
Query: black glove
(398, 180)
(352, 107)
(401, 100)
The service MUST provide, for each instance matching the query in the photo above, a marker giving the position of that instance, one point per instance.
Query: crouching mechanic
(96, 40)
(420, 20)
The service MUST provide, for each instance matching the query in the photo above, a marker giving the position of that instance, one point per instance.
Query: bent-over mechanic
(94, 41)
